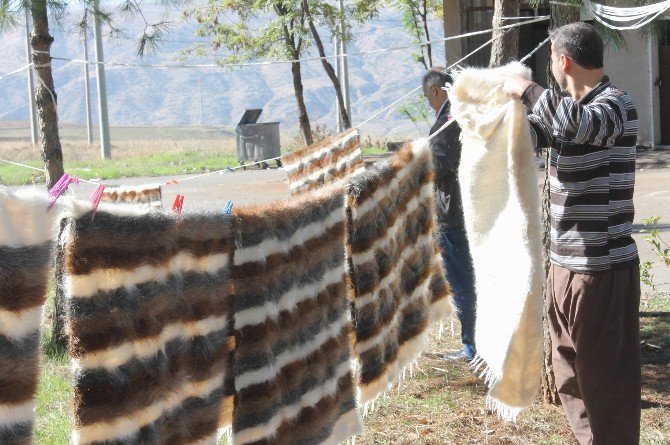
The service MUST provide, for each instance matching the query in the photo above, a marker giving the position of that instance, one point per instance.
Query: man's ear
(566, 63)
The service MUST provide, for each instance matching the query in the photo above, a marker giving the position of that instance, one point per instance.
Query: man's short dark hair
(581, 42)
(437, 76)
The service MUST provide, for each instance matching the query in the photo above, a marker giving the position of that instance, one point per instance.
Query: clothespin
(172, 181)
(95, 199)
(59, 188)
(178, 204)
(449, 117)
(228, 208)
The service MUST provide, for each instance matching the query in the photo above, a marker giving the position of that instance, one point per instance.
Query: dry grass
(444, 403)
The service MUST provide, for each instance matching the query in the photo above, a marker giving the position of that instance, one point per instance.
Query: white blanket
(502, 212)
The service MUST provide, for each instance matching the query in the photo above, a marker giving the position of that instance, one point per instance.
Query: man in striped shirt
(593, 285)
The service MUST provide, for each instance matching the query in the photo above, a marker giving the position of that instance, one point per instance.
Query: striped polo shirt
(592, 174)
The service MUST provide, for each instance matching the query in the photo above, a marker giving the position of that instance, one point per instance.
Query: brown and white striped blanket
(395, 266)
(148, 321)
(293, 374)
(150, 194)
(27, 238)
(323, 163)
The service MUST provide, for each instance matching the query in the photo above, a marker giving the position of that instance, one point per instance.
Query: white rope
(39, 78)
(537, 48)
(573, 5)
(359, 125)
(22, 165)
(488, 42)
(229, 169)
(310, 59)
(499, 17)
(439, 130)
(23, 68)
(635, 17)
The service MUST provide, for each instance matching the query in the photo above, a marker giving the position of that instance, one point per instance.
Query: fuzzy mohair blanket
(502, 212)
(293, 373)
(395, 266)
(149, 322)
(142, 194)
(27, 238)
(328, 161)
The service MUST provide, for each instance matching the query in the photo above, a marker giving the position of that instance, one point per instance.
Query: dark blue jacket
(446, 147)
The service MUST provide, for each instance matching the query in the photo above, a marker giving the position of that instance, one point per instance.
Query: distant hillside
(214, 96)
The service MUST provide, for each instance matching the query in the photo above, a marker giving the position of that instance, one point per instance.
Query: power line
(309, 59)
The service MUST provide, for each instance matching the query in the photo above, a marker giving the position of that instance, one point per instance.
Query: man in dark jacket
(446, 148)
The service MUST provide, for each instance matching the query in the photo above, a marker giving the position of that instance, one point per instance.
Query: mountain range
(216, 96)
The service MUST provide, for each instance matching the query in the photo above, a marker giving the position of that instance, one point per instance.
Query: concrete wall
(635, 71)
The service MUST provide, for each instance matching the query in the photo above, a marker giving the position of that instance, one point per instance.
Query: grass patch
(167, 164)
(373, 150)
(53, 425)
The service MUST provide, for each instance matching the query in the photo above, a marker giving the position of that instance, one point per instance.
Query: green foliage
(417, 110)
(660, 247)
(154, 33)
(415, 15)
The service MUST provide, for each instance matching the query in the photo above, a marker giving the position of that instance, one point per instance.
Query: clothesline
(276, 62)
(309, 59)
(610, 15)
(231, 169)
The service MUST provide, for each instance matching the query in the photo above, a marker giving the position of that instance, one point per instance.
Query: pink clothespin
(59, 188)
(95, 199)
(449, 117)
(178, 205)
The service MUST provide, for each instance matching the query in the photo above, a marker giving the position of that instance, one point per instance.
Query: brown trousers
(594, 324)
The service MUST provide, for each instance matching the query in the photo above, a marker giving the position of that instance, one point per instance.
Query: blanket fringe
(224, 435)
(407, 373)
(505, 412)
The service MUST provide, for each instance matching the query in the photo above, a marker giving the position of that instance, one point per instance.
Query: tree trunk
(505, 47)
(560, 15)
(344, 115)
(45, 94)
(58, 336)
(300, 99)
(429, 49)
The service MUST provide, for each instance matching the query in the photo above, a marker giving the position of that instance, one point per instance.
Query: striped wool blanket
(502, 213)
(27, 238)
(150, 194)
(293, 373)
(395, 265)
(323, 163)
(148, 321)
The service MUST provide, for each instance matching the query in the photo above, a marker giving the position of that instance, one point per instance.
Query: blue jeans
(461, 276)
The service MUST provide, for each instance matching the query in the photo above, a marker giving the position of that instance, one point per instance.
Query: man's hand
(514, 85)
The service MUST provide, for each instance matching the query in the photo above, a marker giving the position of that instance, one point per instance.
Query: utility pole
(34, 136)
(89, 124)
(345, 66)
(105, 147)
(338, 73)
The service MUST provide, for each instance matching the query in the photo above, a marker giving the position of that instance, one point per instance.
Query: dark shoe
(461, 354)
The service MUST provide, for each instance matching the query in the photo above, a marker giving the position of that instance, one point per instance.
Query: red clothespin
(178, 205)
(59, 188)
(172, 181)
(95, 199)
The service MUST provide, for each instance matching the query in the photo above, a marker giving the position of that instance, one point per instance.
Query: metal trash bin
(257, 141)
